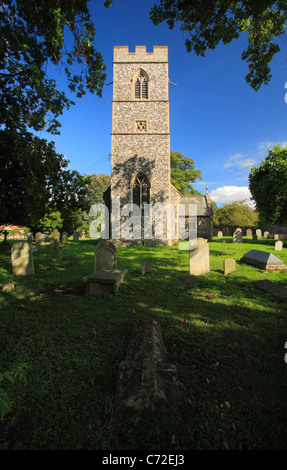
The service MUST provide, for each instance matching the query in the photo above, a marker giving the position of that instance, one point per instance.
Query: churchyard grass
(60, 351)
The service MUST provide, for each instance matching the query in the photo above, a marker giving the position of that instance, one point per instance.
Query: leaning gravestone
(229, 265)
(237, 236)
(22, 259)
(39, 238)
(263, 260)
(199, 258)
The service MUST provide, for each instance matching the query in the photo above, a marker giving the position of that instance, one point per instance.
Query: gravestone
(258, 232)
(146, 380)
(266, 234)
(8, 286)
(29, 237)
(55, 237)
(249, 232)
(105, 256)
(146, 267)
(276, 236)
(237, 236)
(65, 236)
(39, 238)
(219, 234)
(106, 281)
(199, 258)
(229, 265)
(22, 259)
(76, 236)
(271, 288)
(263, 260)
(278, 245)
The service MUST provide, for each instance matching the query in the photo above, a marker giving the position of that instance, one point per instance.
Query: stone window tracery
(141, 86)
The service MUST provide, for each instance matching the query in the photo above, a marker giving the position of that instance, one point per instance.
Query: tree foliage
(182, 173)
(235, 214)
(268, 186)
(34, 179)
(209, 22)
(99, 183)
(35, 34)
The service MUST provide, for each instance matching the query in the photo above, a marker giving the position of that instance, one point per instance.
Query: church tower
(140, 142)
(140, 155)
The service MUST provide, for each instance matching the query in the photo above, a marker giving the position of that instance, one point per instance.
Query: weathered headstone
(8, 286)
(237, 236)
(146, 267)
(22, 259)
(105, 256)
(199, 258)
(258, 232)
(146, 380)
(76, 236)
(249, 232)
(39, 238)
(276, 236)
(266, 234)
(278, 245)
(219, 234)
(65, 236)
(55, 237)
(263, 260)
(29, 237)
(229, 265)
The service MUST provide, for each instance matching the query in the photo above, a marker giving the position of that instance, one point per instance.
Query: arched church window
(141, 191)
(141, 85)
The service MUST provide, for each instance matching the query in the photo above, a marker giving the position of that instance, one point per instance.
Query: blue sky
(215, 117)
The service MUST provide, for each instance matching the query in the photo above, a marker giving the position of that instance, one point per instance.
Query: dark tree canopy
(33, 35)
(268, 186)
(34, 178)
(209, 22)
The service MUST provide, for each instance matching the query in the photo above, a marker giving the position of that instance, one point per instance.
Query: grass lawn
(61, 349)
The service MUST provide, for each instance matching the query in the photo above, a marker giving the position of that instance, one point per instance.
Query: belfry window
(141, 191)
(141, 86)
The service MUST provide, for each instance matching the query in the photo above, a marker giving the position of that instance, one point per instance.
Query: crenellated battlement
(122, 54)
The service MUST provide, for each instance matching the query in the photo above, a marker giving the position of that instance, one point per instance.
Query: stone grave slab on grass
(271, 288)
(104, 282)
(146, 379)
(263, 260)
